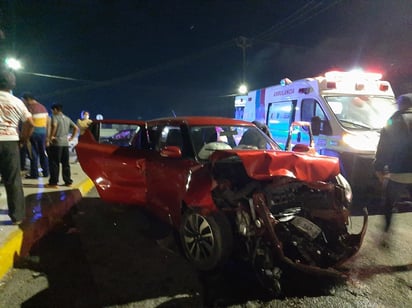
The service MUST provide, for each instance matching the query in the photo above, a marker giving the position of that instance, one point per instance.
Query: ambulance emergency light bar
(352, 75)
(360, 78)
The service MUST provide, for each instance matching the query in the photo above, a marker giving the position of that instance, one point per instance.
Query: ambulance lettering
(284, 92)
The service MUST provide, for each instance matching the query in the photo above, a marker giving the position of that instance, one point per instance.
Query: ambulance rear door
(278, 119)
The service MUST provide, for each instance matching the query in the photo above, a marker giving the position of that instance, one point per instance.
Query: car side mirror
(171, 151)
(326, 129)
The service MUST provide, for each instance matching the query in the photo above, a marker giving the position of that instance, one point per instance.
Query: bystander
(62, 131)
(84, 122)
(12, 112)
(393, 163)
(38, 153)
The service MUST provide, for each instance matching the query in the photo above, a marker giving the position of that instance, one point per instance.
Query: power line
(301, 16)
(55, 76)
(285, 22)
(144, 72)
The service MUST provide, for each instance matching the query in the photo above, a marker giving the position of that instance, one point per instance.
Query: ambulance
(346, 110)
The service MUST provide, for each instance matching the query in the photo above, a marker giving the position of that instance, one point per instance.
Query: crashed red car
(228, 190)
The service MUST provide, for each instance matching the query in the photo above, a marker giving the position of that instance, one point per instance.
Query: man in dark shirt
(393, 163)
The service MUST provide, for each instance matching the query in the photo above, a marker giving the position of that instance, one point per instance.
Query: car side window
(140, 141)
(174, 136)
(310, 109)
(171, 136)
(153, 133)
(118, 134)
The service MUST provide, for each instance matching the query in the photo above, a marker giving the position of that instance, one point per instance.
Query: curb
(19, 242)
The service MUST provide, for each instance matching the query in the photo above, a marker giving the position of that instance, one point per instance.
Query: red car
(228, 190)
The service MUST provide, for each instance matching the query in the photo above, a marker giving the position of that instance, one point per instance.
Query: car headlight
(360, 142)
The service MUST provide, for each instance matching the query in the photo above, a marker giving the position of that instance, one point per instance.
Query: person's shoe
(385, 240)
(31, 177)
(68, 184)
(51, 186)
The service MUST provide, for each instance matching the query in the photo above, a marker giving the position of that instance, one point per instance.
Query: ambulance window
(311, 108)
(319, 112)
(279, 117)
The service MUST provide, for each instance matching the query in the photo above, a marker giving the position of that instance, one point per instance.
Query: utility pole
(243, 43)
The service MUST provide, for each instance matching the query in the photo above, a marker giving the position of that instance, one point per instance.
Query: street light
(243, 89)
(13, 63)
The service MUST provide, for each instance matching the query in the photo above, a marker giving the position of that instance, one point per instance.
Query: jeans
(10, 172)
(38, 153)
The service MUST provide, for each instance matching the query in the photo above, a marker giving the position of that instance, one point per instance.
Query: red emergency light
(304, 90)
(331, 84)
(384, 86)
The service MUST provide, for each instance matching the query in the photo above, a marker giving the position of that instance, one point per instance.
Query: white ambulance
(346, 109)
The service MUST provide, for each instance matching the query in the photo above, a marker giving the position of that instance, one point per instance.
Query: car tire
(206, 240)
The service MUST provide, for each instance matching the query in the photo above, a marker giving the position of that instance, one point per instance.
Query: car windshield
(362, 112)
(207, 139)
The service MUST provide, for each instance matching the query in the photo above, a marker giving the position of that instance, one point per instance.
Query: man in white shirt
(12, 111)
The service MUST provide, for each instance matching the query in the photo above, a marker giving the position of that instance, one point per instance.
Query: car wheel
(207, 240)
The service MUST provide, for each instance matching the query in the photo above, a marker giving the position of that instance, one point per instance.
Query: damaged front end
(283, 219)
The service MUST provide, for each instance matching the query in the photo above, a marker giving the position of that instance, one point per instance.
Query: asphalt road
(106, 255)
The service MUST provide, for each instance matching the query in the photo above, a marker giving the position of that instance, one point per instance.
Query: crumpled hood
(263, 165)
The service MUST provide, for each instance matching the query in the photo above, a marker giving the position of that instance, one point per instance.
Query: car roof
(199, 120)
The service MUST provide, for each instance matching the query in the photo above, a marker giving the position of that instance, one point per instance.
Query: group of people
(49, 142)
(27, 129)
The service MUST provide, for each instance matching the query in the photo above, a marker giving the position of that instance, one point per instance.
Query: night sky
(152, 58)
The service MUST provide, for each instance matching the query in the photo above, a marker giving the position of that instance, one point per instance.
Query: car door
(113, 154)
(169, 175)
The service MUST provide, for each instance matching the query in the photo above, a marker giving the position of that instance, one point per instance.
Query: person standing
(12, 112)
(84, 122)
(62, 130)
(263, 127)
(393, 163)
(41, 121)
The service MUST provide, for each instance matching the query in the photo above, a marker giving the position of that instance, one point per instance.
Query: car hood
(264, 165)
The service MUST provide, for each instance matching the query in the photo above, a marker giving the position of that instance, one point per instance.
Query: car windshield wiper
(358, 125)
